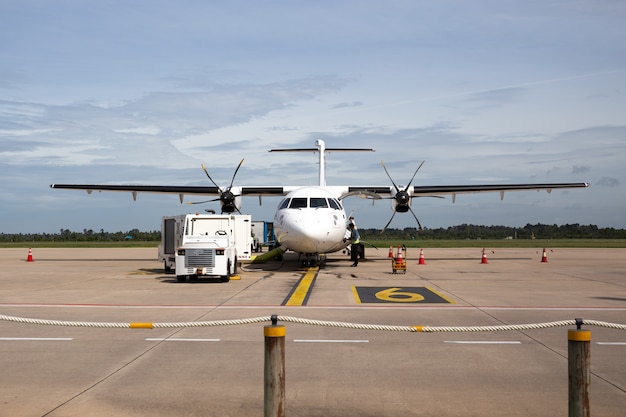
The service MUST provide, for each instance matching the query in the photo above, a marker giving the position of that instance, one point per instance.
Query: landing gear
(313, 259)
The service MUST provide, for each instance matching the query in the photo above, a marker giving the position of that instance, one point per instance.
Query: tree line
(463, 231)
(530, 231)
(87, 235)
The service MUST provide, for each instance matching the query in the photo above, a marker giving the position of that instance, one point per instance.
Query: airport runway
(218, 371)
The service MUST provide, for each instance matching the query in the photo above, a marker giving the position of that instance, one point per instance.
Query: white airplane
(311, 220)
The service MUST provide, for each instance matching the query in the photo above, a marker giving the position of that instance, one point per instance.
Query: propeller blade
(388, 223)
(414, 174)
(235, 174)
(202, 202)
(391, 179)
(207, 174)
(416, 219)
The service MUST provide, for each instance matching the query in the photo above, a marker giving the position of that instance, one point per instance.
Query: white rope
(310, 322)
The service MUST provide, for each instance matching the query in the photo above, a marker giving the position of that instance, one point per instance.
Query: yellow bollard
(274, 374)
(578, 369)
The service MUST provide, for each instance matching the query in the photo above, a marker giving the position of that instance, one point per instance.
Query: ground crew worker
(354, 248)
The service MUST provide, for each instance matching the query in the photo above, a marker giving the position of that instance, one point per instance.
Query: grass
(502, 243)
(124, 244)
(417, 243)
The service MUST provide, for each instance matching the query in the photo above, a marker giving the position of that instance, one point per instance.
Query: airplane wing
(440, 190)
(181, 191)
(372, 191)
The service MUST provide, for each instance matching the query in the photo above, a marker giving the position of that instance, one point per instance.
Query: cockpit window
(317, 202)
(334, 204)
(283, 204)
(298, 202)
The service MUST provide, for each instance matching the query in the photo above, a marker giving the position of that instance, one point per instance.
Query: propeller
(402, 198)
(226, 198)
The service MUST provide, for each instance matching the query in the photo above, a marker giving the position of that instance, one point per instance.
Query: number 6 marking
(395, 295)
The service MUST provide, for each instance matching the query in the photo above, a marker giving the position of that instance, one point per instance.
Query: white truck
(211, 245)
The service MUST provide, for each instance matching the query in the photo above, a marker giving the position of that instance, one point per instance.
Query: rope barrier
(297, 320)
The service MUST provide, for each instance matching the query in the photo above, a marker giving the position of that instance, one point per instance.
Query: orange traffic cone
(399, 255)
(484, 258)
(391, 251)
(544, 258)
(30, 256)
(422, 261)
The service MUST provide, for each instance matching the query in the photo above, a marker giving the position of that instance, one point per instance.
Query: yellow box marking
(440, 295)
(398, 295)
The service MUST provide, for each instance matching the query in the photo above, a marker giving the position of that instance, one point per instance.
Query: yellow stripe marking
(303, 289)
(440, 295)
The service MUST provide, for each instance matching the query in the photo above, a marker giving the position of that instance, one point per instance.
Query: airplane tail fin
(322, 149)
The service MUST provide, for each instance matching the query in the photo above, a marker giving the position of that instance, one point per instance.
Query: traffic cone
(391, 251)
(30, 256)
(399, 255)
(422, 261)
(544, 258)
(484, 258)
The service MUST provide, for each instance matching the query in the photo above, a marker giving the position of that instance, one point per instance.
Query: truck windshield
(207, 227)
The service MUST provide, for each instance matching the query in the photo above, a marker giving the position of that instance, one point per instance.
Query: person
(354, 247)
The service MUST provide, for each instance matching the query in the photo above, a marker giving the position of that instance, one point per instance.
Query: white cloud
(484, 91)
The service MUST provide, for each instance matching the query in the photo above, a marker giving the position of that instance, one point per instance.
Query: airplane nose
(311, 234)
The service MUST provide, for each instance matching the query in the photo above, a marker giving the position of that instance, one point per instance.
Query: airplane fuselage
(311, 220)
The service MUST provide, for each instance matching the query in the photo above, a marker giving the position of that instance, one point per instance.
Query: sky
(145, 91)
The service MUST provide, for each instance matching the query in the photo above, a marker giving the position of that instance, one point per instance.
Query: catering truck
(205, 245)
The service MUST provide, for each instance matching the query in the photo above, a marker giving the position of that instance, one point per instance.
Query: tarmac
(76, 370)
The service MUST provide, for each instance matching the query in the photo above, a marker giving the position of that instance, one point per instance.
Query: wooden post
(579, 373)
(274, 388)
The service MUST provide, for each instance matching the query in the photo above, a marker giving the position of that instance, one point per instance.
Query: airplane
(311, 220)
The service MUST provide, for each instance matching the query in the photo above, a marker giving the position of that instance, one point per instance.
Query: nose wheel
(313, 259)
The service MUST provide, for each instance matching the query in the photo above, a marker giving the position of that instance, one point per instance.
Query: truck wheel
(226, 278)
(181, 278)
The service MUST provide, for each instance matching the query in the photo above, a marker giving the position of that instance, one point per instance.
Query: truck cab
(205, 245)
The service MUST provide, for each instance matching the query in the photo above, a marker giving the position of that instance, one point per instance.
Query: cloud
(608, 182)
(344, 105)
(142, 131)
(483, 92)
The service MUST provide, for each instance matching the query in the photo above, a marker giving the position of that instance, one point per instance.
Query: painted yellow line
(301, 293)
(440, 295)
(356, 295)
